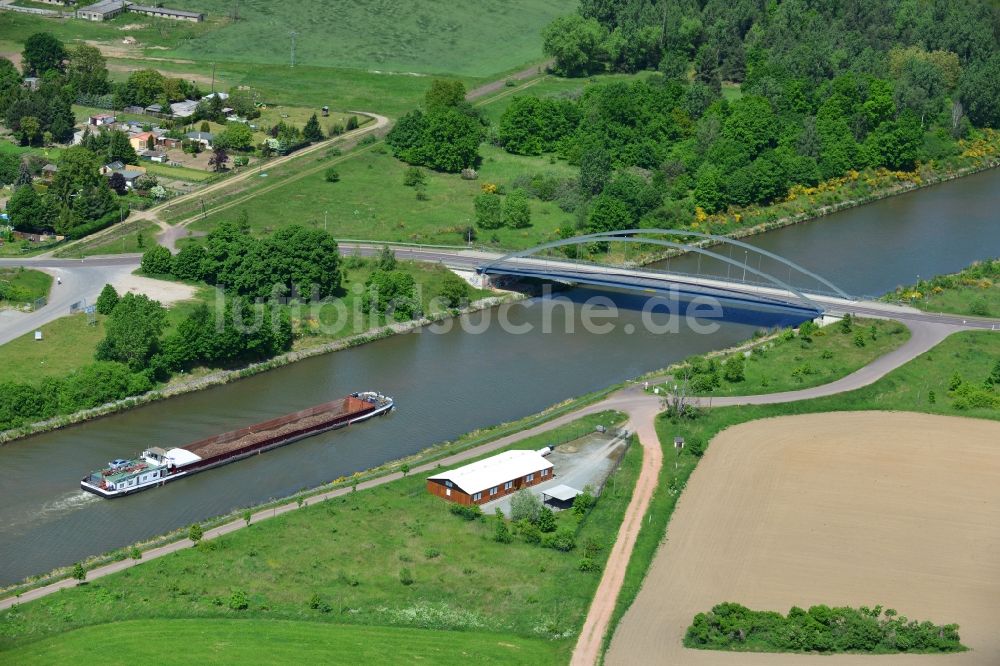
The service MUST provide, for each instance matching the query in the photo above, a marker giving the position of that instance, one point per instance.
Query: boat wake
(54, 508)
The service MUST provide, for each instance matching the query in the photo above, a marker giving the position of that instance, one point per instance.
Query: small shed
(561, 496)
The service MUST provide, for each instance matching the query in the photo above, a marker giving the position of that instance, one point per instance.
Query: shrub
(587, 565)
(859, 339)
(546, 520)
(501, 533)
(472, 512)
(319, 604)
(525, 505)
(414, 176)
(584, 502)
(107, 301)
(157, 260)
(730, 626)
(431, 553)
(331, 175)
(563, 540)
(195, 533)
(239, 600)
(135, 553)
(79, 572)
(530, 532)
(405, 576)
(979, 307)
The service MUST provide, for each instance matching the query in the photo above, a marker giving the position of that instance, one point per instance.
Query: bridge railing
(648, 269)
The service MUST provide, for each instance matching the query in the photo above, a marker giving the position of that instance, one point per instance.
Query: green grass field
(27, 285)
(790, 364)
(66, 344)
(371, 202)
(178, 173)
(348, 553)
(231, 641)
(428, 37)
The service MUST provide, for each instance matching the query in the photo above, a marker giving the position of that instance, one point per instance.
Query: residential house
(49, 171)
(154, 156)
(112, 167)
(142, 140)
(167, 142)
(183, 109)
(102, 119)
(30, 82)
(204, 138)
(134, 109)
(492, 478)
(154, 108)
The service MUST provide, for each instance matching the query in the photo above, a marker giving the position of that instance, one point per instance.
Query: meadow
(66, 344)
(285, 642)
(428, 37)
(370, 202)
(790, 363)
(393, 555)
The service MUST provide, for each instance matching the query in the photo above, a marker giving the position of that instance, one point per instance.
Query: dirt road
(844, 509)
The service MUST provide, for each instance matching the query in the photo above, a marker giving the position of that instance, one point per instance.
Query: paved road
(82, 281)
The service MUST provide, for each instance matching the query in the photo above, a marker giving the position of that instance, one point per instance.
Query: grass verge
(284, 642)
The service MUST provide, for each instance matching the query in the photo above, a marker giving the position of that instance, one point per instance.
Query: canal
(445, 384)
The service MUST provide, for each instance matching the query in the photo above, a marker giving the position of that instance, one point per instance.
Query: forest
(747, 100)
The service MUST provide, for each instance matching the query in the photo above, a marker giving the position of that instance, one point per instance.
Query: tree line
(730, 626)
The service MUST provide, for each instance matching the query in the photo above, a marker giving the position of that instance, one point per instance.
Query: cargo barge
(156, 466)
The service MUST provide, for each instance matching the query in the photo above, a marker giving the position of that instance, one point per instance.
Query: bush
(730, 626)
(501, 533)
(414, 176)
(239, 600)
(405, 576)
(587, 565)
(471, 512)
(317, 603)
(525, 505)
(79, 572)
(546, 520)
(331, 175)
(157, 260)
(584, 502)
(530, 532)
(195, 533)
(563, 540)
(107, 301)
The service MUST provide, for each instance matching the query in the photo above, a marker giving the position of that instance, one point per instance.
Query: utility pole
(325, 212)
(236, 11)
(213, 77)
(294, 35)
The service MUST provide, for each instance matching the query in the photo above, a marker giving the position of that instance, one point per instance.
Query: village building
(154, 156)
(105, 10)
(167, 142)
(134, 109)
(142, 140)
(492, 478)
(183, 109)
(204, 138)
(102, 119)
(30, 82)
(167, 13)
(49, 171)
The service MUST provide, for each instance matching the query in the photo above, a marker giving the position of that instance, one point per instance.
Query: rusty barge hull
(238, 444)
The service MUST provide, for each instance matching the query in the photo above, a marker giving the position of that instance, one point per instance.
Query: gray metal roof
(562, 492)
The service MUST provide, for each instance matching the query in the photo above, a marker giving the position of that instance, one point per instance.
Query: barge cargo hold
(157, 466)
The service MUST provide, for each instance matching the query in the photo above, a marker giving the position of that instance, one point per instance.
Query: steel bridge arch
(620, 236)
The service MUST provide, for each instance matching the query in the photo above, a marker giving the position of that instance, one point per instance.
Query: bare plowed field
(843, 509)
